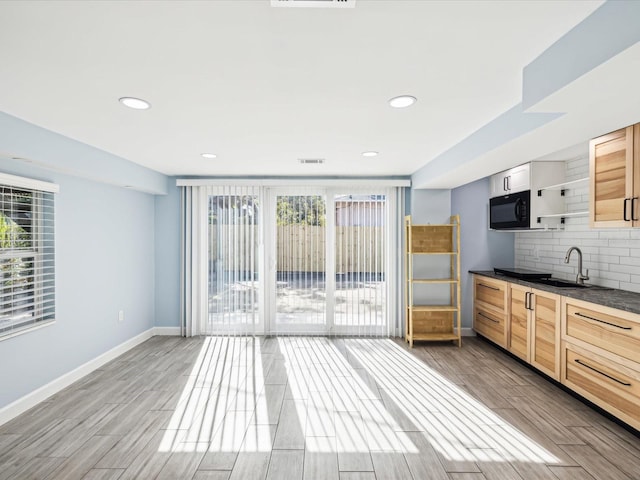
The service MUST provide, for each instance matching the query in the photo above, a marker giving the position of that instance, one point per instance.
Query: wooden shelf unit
(433, 322)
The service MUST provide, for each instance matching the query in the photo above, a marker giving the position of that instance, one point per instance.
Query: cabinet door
(611, 159)
(519, 178)
(499, 184)
(491, 293)
(612, 385)
(518, 324)
(490, 325)
(490, 309)
(516, 179)
(605, 328)
(545, 332)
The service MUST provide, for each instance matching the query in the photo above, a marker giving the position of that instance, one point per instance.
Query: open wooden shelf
(435, 337)
(433, 322)
(434, 308)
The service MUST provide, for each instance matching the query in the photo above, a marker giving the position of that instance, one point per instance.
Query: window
(27, 254)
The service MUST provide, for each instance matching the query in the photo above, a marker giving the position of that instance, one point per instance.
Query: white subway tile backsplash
(620, 242)
(622, 252)
(632, 287)
(611, 255)
(608, 259)
(624, 268)
(615, 235)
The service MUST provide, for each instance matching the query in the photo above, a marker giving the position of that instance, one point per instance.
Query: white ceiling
(262, 86)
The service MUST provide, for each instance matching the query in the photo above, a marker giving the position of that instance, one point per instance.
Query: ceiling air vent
(311, 161)
(314, 3)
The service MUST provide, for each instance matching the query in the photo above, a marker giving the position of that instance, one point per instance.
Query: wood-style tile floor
(314, 408)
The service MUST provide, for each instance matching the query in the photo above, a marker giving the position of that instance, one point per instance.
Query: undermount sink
(554, 282)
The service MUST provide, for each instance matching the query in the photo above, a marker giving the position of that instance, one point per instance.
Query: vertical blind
(233, 239)
(301, 261)
(27, 254)
(361, 249)
(287, 260)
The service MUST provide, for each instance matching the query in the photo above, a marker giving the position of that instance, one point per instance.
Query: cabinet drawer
(613, 386)
(490, 292)
(490, 325)
(615, 331)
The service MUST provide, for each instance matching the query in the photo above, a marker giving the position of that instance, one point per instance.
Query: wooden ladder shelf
(432, 322)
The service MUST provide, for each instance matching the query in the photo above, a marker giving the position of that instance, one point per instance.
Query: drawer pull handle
(487, 317)
(578, 314)
(579, 362)
(488, 286)
(624, 210)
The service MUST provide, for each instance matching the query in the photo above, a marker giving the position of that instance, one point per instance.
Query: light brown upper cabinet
(614, 165)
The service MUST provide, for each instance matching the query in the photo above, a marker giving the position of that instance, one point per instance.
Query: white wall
(611, 255)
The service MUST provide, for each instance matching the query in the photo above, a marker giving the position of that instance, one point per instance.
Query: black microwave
(510, 211)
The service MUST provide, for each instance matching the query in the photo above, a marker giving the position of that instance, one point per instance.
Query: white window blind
(233, 241)
(27, 254)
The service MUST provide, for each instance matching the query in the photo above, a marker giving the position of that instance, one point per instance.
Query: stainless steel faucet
(580, 278)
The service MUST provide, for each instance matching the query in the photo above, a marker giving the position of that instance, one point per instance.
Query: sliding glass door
(360, 259)
(284, 261)
(299, 253)
(234, 269)
(329, 261)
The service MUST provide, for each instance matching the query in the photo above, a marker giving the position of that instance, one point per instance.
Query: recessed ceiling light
(370, 153)
(402, 101)
(208, 155)
(136, 103)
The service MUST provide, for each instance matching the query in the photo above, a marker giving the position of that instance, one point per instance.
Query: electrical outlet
(121, 316)
(535, 254)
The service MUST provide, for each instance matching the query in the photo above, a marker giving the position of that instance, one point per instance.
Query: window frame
(41, 289)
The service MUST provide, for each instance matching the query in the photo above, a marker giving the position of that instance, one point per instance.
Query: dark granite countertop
(609, 297)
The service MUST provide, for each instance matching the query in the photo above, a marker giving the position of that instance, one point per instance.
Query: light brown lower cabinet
(519, 321)
(592, 349)
(601, 357)
(612, 385)
(545, 332)
(533, 328)
(490, 309)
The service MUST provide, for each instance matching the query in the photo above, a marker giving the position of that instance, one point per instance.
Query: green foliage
(12, 235)
(301, 210)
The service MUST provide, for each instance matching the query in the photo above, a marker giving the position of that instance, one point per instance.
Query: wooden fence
(300, 248)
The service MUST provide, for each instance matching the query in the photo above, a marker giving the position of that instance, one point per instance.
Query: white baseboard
(166, 331)
(32, 399)
(468, 332)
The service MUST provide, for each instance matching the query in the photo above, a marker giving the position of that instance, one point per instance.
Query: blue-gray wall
(481, 248)
(104, 263)
(430, 206)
